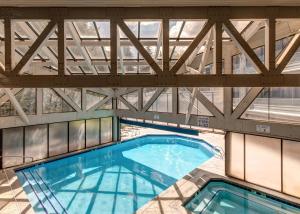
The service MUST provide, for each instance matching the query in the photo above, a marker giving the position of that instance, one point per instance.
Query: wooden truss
(269, 74)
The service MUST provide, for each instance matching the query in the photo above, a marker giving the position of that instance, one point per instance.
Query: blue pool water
(115, 179)
(219, 197)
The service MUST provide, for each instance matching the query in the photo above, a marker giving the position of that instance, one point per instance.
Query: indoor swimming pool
(115, 179)
(219, 197)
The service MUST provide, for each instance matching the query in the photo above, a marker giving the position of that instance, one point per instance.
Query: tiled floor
(12, 197)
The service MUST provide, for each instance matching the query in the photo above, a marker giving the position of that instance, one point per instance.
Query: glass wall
(92, 98)
(273, 104)
(106, 130)
(132, 98)
(76, 135)
(53, 103)
(27, 99)
(48, 140)
(279, 104)
(12, 147)
(92, 132)
(162, 104)
(58, 138)
(242, 65)
(36, 142)
(184, 98)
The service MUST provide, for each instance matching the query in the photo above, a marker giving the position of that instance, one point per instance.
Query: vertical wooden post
(218, 48)
(9, 44)
(113, 47)
(61, 47)
(165, 46)
(270, 41)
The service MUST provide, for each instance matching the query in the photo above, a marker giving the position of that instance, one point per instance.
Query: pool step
(45, 196)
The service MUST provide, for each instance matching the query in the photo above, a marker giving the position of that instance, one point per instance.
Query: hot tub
(221, 197)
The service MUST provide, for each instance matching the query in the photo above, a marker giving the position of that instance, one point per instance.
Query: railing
(219, 152)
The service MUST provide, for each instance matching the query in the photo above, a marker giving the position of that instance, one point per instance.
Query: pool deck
(12, 197)
(14, 200)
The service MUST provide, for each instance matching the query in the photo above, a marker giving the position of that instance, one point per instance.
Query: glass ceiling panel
(133, 26)
(131, 69)
(192, 28)
(107, 51)
(102, 68)
(86, 29)
(160, 53)
(149, 29)
(20, 31)
(240, 25)
(39, 26)
(95, 52)
(75, 51)
(22, 49)
(151, 50)
(174, 28)
(103, 28)
(129, 52)
(42, 54)
(86, 69)
(74, 69)
(145, 69)
(54, 49)
(179, 50)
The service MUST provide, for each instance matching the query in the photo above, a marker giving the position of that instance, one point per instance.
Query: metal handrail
(16, 156)
(219, 150)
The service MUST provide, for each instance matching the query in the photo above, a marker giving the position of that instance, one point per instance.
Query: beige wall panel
(291, 167)
(236, 155)
(263, 161)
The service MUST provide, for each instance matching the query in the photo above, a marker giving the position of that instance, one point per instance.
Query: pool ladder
(219, 152)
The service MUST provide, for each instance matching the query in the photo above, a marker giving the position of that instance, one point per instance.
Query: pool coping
(173, 199)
